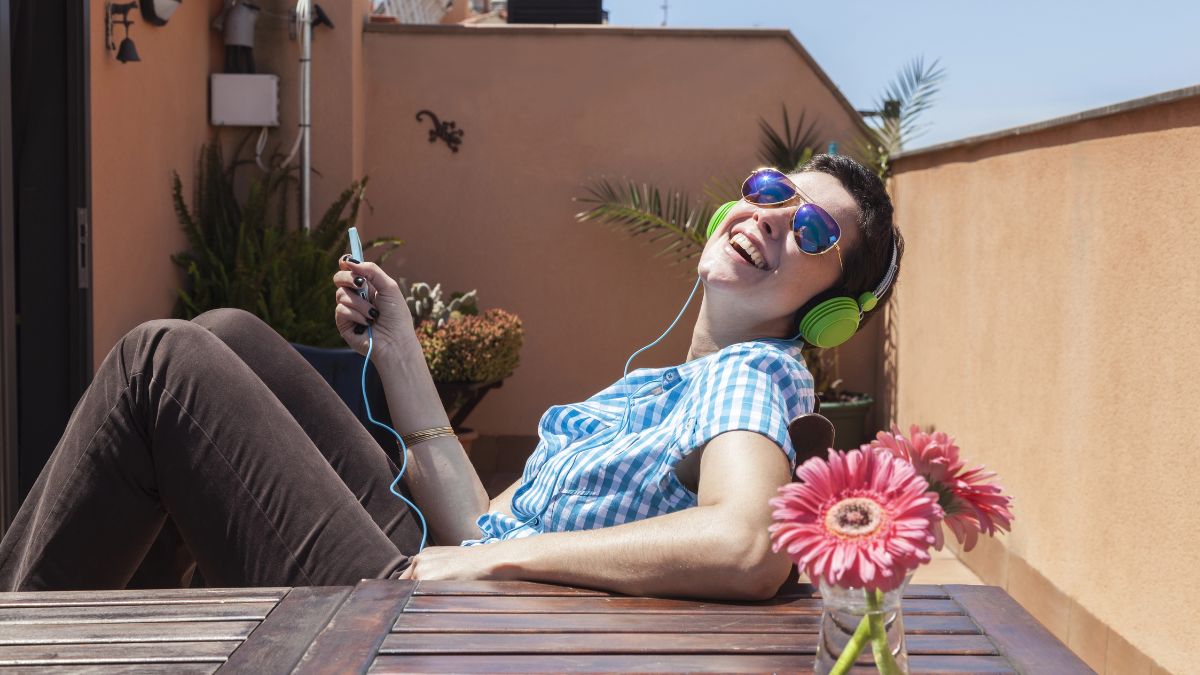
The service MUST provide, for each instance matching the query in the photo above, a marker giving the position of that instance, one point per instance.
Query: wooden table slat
(141, 597)
(233, 611)
(1032, 648)
(116, 669)
(699, 663)
(349, 641)
(94, 654)
(184, 631)
(281, 640)
(439, 622)
(661, 643)
(550, 605)
(527, 588)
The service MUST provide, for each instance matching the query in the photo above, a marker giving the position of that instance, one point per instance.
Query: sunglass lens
(816, 231)
(767, 186)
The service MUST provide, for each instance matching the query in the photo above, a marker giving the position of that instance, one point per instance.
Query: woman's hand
(456, 562)
(386, 312)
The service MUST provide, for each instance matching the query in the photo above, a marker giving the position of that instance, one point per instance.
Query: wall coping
(1074, 118)
(630, 31)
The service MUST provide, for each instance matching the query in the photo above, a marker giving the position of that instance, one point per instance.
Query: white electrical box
(244, 100)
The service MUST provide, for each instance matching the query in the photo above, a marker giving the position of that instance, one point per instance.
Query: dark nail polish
(374, 313)
(360, 329)
(353, 260)
(345, 257)
(358, 281)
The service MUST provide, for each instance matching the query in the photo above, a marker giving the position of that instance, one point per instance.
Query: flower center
(853, 518)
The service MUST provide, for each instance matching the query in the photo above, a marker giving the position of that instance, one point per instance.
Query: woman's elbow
(758, 571)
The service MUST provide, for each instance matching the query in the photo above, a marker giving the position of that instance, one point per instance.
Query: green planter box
(849, 421)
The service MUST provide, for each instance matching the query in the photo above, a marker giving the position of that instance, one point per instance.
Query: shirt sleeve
(751, 388)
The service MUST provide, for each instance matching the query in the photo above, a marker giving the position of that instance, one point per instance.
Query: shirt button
(669, 377)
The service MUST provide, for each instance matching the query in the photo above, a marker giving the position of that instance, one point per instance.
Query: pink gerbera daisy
(971, 504)
(861, 519)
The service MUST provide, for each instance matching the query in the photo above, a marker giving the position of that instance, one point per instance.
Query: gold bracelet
(425, 435)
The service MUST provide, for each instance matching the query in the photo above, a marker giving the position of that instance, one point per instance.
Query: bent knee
(228, 318)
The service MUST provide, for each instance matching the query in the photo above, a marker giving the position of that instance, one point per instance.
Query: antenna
(665, 6)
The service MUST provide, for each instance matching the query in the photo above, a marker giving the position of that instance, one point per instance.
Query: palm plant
(248, 256)
(789, 150)
(643, 210)
(898, 112)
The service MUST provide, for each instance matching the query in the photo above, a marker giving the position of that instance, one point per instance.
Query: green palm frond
(914, 89)
(908, 96)
(786, 151)
(645, 210)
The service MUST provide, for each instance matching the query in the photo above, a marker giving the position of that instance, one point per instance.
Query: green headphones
(833, 316)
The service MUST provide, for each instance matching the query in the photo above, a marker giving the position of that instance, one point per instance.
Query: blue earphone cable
(625, 372)
(399, 440)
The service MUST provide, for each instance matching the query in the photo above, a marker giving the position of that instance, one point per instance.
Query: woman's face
(781, 277)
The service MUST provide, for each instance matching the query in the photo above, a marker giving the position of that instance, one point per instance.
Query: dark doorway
(47, 253)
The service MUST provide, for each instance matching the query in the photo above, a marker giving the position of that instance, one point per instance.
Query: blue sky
(1008, 63)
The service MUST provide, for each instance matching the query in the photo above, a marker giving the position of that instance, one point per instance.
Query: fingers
(345, 316)
(363, 309)
(373, 273)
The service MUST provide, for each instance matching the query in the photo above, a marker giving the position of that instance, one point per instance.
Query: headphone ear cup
(830, 321)
(718, 217)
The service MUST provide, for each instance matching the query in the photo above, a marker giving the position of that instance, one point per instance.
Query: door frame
(8, 302)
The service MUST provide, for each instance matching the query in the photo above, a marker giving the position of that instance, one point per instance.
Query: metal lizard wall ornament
(447, 131)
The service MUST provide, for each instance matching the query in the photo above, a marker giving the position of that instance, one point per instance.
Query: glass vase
(873, 622)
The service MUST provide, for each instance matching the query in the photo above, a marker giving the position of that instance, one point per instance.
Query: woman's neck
(718, 327)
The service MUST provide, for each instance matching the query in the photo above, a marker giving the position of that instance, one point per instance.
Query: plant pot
(342, 369)
(460, 398)
(849, 420)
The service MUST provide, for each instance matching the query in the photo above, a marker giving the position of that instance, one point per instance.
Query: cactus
(427, 305)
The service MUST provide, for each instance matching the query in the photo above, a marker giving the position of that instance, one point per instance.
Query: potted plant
(468, 352)
(246, 253)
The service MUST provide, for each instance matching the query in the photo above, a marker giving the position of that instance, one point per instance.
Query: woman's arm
(718, 549)
(439, 474)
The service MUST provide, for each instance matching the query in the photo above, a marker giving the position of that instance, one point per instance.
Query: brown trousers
(209, 443)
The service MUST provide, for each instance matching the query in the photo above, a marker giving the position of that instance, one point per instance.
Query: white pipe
(304, 18)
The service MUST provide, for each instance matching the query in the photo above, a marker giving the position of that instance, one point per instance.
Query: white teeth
(743, 242)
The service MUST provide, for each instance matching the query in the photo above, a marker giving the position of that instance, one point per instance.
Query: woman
(212, 443)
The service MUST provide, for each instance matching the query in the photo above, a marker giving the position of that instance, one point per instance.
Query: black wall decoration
(447, 131)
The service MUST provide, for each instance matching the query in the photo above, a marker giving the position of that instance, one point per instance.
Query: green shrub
(483, 348)
(248, 256)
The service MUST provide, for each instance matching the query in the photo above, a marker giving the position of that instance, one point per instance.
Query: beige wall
(1044, 321)
(148, 118)
(545, 110)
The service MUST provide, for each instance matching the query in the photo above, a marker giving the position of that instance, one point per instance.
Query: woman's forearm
(440, 476)
(696, 552)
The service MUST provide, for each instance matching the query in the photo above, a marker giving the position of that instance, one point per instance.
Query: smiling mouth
(746, 248)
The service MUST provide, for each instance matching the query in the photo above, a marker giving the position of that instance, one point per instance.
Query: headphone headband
(890, 276)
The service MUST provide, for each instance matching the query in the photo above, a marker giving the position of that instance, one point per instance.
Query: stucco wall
(1044, 321)
(544, 110)
(148, 118)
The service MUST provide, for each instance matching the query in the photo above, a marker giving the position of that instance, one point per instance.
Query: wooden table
(400, 626)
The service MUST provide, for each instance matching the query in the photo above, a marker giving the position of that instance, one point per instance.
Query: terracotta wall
(148, 119)
(1044, 320)
(544, 110)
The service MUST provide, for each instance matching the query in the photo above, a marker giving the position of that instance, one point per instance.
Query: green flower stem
(853, 648)
(884, 661)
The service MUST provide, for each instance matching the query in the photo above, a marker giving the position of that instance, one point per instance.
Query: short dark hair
(865, 265)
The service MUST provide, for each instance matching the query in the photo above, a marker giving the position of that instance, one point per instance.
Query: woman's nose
(765, 218)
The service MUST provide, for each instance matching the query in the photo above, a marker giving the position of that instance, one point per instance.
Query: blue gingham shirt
(594, 468)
